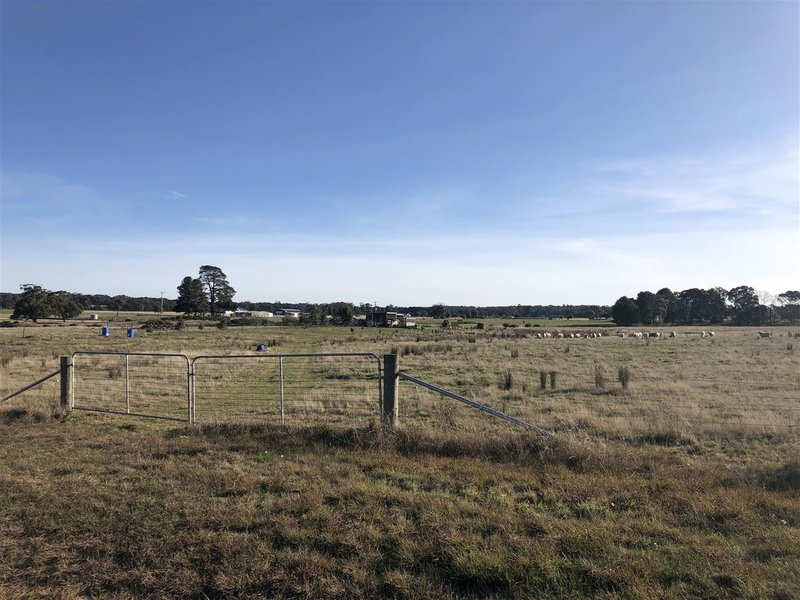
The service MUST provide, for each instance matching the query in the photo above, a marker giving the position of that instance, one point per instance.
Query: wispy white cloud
(177, 195)
(229, 222)
(486, 269)
(41, 190)
(760, 181)
(428, 249)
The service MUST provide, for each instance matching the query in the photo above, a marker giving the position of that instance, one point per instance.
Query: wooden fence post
(389, 409)
(543, 380)
(66, 383)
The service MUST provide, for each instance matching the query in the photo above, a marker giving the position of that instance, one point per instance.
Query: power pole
(161, 311)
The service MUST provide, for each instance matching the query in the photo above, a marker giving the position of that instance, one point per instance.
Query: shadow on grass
(784, 478)
(500, 446)
(15, 414)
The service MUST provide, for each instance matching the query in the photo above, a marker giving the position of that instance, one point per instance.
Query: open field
(734, 381)
(686, 484)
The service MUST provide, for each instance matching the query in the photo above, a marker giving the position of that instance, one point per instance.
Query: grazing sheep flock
(633, 334)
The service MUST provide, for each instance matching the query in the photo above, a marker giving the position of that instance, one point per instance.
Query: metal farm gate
(266, 388)
(342, 388)
(140, 384)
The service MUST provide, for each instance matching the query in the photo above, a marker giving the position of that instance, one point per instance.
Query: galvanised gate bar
(267, 388)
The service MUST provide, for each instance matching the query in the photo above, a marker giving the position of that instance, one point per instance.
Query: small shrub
(514, 353)
(599, 377)
(179, 324)
(480, 326)
(624, 376)
(790, 347)
(508, 381)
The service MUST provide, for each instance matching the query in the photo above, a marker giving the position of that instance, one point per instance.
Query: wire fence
(345, 389)
(40, 397)
(141, 384)
(334, 388)
(643, 406)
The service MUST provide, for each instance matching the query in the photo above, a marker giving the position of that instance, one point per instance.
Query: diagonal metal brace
(473, 404)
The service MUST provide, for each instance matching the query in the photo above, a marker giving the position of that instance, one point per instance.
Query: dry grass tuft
(599, 377)
(624, 376)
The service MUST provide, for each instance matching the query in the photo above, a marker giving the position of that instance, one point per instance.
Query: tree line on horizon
(714, 306)
(211, 293)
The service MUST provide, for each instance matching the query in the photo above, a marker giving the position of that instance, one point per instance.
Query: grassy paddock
(96, 506)
(685, 484)
(733, 382)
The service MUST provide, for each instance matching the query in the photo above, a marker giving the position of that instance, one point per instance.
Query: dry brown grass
(96, 506)
(684, 485)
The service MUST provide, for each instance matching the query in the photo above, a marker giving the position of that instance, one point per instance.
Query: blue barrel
(105, 332)
(131, 332)
(260, 347)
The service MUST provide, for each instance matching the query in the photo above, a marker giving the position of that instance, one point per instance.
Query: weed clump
(624, 376)
(508, 381)
(599, 377)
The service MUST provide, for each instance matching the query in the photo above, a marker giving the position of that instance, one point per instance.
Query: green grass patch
(95, 506)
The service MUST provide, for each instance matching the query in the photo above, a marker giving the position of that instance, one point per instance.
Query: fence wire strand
(154, 385)
(336, 389)
(345, 389)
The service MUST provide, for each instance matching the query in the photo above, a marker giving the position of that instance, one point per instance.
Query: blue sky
(406, 153)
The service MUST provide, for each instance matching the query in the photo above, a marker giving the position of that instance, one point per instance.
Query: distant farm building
(260, 314)
(292, 313)
(390, 319)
